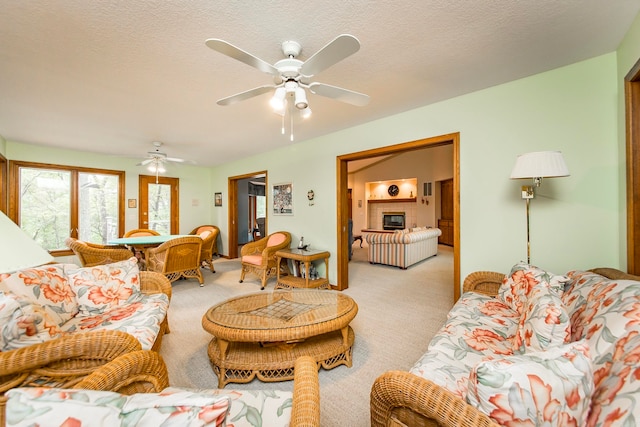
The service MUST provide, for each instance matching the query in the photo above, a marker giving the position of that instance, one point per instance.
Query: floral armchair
(259, 257)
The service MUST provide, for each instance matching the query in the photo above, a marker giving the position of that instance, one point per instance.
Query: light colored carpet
(399, 311)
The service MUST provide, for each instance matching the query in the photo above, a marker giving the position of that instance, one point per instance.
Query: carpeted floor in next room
(399, 312)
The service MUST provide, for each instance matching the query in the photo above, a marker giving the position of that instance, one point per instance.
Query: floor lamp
(537, 165)
(18, 250)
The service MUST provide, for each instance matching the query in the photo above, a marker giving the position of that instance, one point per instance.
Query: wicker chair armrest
(306, 394)
(142, 371)
(614, 274)
(252, 248)
(153, 283)
(483, 282)
(67, 359)
(427, 403)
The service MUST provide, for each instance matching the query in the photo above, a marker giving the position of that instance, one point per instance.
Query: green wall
(575, 221)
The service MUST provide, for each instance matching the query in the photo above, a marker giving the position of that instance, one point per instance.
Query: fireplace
(393, 220)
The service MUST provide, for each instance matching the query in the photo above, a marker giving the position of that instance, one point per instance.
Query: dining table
(138, 244)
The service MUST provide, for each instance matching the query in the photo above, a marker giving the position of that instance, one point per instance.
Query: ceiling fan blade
(145, 162)
(175, 160)
(335, 51)
(344, 95)
(234, 52)
(245, 95)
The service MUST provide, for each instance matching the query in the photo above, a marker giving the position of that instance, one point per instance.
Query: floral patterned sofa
(403, 248)
(107, 398)
(47, 302)
(529, 348)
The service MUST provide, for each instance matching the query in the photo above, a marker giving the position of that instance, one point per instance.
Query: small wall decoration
(132, 203)
(310, 196)
(217, 198)
(282, 195)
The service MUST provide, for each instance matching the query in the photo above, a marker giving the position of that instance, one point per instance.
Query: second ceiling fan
(292, 77)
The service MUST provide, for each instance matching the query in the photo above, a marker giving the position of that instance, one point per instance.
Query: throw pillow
(103, 287)
(544, 323)
(550, 388)
(523, 277)
(46, 286)
(24, 323)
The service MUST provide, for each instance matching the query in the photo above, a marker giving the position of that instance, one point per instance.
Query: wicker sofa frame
(130, 371)
(399, 398)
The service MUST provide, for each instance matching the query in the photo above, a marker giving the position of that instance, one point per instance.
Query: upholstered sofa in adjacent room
(403, 248)
(528, 348)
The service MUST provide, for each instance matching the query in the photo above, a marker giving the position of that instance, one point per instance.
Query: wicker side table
(261, 335)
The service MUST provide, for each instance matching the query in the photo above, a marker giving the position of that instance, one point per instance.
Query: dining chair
(139, 250)
(91, 254)
(259, 257)
(209, 235)
(177, 258)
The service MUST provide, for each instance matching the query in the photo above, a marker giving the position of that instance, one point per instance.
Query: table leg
(224, 346)
(345, 335)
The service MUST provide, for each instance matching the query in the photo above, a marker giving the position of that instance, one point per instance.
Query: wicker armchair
(176, 258)
(91, 254)
(209, 235)
(105, 360)
(141, 232)
(259, 257)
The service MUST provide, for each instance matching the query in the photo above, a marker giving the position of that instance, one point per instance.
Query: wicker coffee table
(262, 334)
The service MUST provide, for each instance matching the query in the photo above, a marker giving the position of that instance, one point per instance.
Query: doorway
(632, 101)
(158, 208)
(235, 207)
(342, 203)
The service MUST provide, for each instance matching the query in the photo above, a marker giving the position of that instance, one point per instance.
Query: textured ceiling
(113, 76)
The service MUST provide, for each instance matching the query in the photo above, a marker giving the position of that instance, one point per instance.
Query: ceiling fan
(292, 77)
(156, 160)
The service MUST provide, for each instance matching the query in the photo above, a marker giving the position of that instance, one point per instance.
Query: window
(52, 202)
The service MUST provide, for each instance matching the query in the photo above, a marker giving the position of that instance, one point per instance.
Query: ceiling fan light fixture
(305, 113)
(301, 98)
(277, 101)
(156, 167)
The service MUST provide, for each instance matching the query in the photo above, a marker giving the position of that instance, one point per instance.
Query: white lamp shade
(17, 249)
(540, 164)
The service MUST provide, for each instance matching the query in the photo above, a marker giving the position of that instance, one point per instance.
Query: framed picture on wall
(282, 196)
(217, 199)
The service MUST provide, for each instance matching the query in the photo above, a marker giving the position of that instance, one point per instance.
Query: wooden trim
(232, 189)
(632, 149)
(342, 209)
(14, 192)
(4, 184)
(143, 195)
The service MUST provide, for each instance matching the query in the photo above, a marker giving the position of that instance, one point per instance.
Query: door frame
(143, 194)
(632, 123)
(342, 211)
(232, 189)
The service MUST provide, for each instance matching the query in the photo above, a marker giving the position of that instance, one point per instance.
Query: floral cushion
(87, 408)
(607, 314)
(24, 323)
(141, 318)
(517, 285)
(250, 408)
(103, 287)
(477, 327)
(550, 388)
(46, 285)
(544, 322)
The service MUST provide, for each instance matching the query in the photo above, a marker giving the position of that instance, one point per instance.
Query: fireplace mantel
(410, 199)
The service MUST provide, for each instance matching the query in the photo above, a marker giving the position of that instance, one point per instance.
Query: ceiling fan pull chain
(291, 118)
